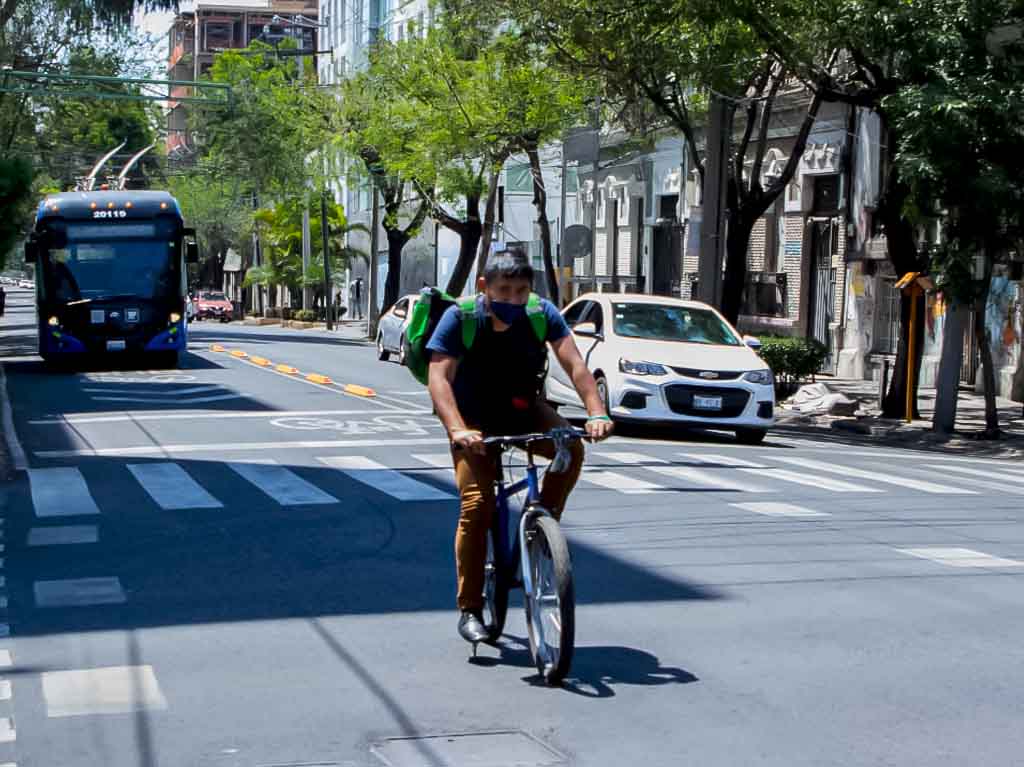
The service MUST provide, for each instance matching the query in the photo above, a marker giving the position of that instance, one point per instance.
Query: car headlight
(53, 322)
(763, 377)
(642, 368)
(175, 318)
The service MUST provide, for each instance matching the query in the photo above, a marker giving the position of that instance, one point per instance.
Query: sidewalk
(348, 330)
(867, 424)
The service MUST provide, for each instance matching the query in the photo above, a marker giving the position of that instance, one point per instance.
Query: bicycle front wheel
(551, 608)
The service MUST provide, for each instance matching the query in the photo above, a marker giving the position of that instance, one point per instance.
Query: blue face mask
(508, 313)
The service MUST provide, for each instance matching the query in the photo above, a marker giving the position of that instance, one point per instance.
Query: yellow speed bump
(361, 391)
(217, 348)
(286, 369)
(317, 378)
(263, 362)
(239, 353)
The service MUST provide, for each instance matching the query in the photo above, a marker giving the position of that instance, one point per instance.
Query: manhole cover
(511, 748)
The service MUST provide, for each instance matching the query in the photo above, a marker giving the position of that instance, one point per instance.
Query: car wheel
(751, 436)
(602, 392)
(401, 350)
(382, 353)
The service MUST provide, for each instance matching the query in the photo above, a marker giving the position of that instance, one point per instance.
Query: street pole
(306, 253)
(712, 241)
(371, 310)
(327, 259)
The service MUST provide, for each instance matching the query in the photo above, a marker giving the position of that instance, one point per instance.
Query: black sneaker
(471, 627)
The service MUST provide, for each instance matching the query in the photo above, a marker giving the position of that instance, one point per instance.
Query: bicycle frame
(506, 547)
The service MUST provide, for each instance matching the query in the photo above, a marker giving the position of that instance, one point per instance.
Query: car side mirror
(191, 253)
(587, 330)
(752, 342)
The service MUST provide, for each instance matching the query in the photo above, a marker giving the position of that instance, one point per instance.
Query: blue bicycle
(533, 555)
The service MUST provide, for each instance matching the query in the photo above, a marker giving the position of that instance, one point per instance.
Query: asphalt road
(229, 565)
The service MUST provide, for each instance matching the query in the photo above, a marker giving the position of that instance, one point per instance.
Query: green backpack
(426, 314)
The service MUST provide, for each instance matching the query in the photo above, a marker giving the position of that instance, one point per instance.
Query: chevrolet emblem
(708, 374)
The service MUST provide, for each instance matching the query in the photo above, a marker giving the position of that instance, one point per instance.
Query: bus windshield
(114, 268)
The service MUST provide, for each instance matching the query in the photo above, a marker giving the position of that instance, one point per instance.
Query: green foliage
(15, 199)
(792, 359)
(218, 208)
(304, 315)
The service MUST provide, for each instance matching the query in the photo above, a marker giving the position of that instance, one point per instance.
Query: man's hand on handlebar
(599, 427)
(469, 439)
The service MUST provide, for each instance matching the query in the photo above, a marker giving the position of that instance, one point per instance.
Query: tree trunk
(737, 243)
(988, 373)
(948, 384)
(489, 212)
(397, 239)
(540, 202)
(469, 231)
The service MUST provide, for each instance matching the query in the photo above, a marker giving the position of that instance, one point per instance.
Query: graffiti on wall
(1003, 321)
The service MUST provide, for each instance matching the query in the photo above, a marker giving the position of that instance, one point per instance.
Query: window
(596, 315)
(623, 208)
(518, 178)
(826, 194)
(421, 25)
(793, 191)
(575, 312)
(572, 180)
(666, 322)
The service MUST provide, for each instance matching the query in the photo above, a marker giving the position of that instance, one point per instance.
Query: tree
(667, 58)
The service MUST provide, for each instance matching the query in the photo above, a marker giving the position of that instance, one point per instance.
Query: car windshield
(208, 296)
(664, 322)
(98, 270)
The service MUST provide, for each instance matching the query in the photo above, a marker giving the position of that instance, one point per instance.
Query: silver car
(391, 329)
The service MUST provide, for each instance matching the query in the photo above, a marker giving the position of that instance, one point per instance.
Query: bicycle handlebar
(560, 433)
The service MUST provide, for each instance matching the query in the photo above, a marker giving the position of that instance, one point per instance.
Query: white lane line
(60, 492)
(172, 487)
(438, 460)
(722, 461)
(686, 473)
(210, 414)
(988, 484)
(957, 557)
(79, 592)
(389, 481)
(110, 690)
(14, 447)
(6, 661)
(189, 401)
(620, 482)
(877, 476)
(229, 447)
(63, 536)
(766, 472)
(1001, 476)
(284, 486)
(155, 392)
(779, 510)
(7, 731)
(5, 689)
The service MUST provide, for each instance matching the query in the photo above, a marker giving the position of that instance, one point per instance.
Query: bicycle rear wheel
(551, 609)
(496, 588)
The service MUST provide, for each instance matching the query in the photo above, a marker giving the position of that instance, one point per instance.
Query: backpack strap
(538, 320)
(467, 308)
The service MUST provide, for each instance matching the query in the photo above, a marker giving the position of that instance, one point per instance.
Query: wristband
(598, 418)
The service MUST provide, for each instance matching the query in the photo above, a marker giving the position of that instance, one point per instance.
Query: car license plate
(707, 403)
(115, 346)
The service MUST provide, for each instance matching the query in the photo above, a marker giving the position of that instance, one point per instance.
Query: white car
(391, 329)
(668, 360)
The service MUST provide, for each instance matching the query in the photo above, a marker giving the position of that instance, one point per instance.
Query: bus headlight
(175, 318)
(53, 322)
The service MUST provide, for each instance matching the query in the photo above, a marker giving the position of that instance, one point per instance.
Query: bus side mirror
(31, 251)
(191, 253)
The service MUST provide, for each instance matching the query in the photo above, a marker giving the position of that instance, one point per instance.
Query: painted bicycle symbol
(383, 424)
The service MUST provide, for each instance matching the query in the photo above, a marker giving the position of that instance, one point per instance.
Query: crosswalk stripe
(766, 472)
(779, 510)
(284, 486)
(613, 481)
(877, 476)
(79, 592)
(7, 731)
(60, 491)
(689, 474)
(172, 487)
(987, 484)
(722, 461)
(63, 535)
(1001, 476)
(438, 460)
(957, 557)
(389, 481)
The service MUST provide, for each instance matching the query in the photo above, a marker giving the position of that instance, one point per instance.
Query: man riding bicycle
(495, 387)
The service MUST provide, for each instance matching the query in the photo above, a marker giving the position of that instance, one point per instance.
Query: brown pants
(475, 476)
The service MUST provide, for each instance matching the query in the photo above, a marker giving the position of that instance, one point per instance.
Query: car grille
(680, 400)
(720, 375)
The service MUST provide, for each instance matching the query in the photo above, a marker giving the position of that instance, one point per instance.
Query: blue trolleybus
(111, 275)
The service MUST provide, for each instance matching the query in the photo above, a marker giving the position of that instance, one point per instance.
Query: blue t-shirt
(499, 378)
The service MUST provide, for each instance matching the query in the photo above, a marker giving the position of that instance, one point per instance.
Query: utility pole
(327, 259)
(306, 254)
(712, 240)
(371, 310)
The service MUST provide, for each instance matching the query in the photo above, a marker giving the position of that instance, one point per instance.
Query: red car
(213, 305)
